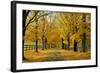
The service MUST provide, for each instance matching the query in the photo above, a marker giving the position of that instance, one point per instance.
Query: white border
(21, 65)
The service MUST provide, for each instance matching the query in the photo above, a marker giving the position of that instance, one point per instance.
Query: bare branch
(41, 16)
(26, 14)
(31, 19)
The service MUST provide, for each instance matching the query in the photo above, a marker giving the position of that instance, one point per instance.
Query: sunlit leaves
(55, 26)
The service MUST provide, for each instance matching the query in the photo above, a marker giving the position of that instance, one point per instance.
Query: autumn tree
(68, 29)
(86, 31)
(25, 14)
(65, 20)
(33, 19)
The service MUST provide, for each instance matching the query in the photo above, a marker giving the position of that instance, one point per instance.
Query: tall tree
(25, 14)
(84, 33)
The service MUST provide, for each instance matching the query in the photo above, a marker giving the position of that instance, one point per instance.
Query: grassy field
(55, 55)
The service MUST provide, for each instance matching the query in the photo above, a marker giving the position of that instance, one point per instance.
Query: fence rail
(28, 47)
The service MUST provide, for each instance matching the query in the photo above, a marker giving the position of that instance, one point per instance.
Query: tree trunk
(36, 42)
(25, 14)
(68, 40)
(36, 45)
(62, 43)
(84, 42)
(84, 34)
(43, 43)
(65, 46)
(75, 46)
(24, 21)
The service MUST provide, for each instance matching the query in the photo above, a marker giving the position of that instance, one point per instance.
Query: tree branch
(31, 19)
(41, 16)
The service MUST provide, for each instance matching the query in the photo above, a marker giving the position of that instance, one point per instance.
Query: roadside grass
(32, 56)
(71, 55)
(42, 55)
